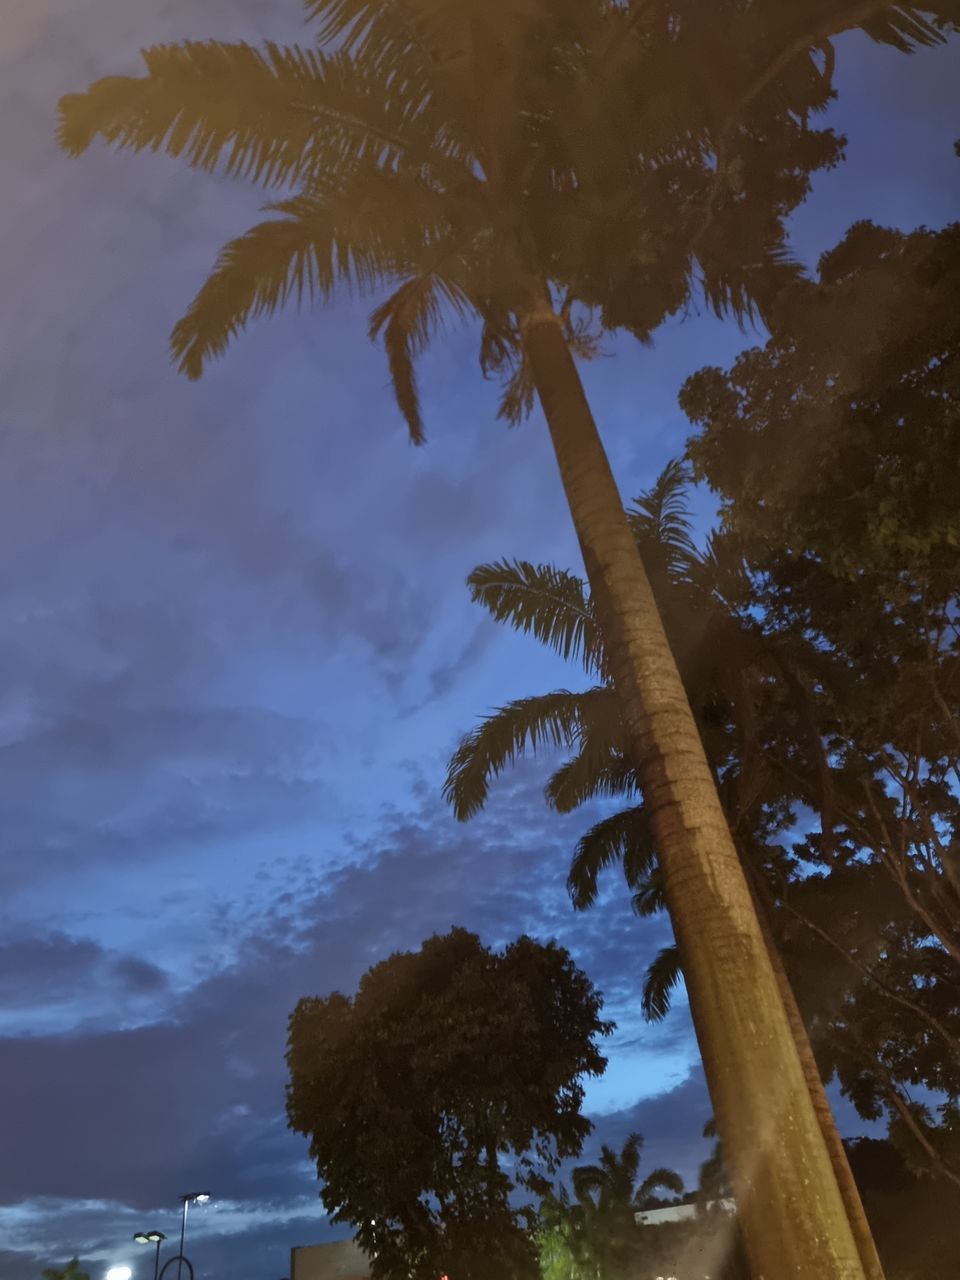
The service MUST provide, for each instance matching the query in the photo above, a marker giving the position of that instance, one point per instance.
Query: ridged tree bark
(789, 1204)
(856, 1214)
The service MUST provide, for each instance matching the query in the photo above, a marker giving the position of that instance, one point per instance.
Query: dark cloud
(58, 969)
(214, 1070)
(671, 1125)
(124, 783)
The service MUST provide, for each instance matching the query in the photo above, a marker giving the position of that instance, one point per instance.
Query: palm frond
(408, 319)
(590, 775)
(623, 837)
(547, 720)
(381, 33)
(379, 29)
(586, 1179)
(662, 976)
(551, 603)
(303, 253)
(906, 27)
(519, 394)
(721, 570)
(661, 522)
(648, 897)
(668, 1179)
(278, 115)
(502, 355)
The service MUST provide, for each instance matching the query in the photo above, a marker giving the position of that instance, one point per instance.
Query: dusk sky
(237, 651)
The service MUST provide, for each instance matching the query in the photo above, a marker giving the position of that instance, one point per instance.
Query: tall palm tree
(726, 665)
(471, 156)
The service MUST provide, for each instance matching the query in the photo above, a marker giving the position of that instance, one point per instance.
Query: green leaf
(551, 603)
(408, 320)
(307, 252)
(662, 976)
(668, 1179)
(594, 773)
(625, 838)
(661, 523)
(551, 720)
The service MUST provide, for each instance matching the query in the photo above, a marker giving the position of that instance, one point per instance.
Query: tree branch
(951, 1041)
(903, 1110)
(818, 34)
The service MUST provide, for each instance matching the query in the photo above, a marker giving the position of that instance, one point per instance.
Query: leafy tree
(509, 161)
(851, 528)
(452, 1079)
(563, 1245)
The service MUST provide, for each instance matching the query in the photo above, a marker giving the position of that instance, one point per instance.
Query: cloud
(46, 979)
(206, 1082)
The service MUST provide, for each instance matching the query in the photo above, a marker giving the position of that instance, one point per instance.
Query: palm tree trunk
(856, 1215)
(792, 1213)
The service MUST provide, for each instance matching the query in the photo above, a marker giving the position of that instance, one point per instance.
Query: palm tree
(610, 1185)
(725, 664)
(71, 1271)
(607, 1202)
(482, 158)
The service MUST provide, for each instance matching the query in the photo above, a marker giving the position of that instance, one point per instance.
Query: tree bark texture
(793, 1217)
(856, 1214)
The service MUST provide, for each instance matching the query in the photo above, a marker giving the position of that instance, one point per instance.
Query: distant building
(679, 1212)
(338, 1260)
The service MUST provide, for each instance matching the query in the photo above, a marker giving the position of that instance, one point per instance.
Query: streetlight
(152, 1237)
(192, 1197)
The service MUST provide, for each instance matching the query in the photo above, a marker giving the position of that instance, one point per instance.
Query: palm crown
(594, 1237)
(461, 153)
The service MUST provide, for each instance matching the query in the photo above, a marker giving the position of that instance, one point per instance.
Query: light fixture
(198, 1197)
(149, 1237)
(203, 1197)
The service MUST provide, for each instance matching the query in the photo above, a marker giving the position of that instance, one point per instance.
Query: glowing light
(119, 1273)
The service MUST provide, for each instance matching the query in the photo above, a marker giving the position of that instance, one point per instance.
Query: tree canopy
(450, 1081)
(454, 152)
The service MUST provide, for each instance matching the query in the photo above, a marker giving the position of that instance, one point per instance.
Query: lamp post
(192, 1197)
(157, 1238)
(152, 1237)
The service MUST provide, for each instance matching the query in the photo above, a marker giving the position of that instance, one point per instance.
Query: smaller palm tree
(599, 1228)
(611, 1183)
(71, 1271)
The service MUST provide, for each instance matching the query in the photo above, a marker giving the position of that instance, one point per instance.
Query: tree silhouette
(448, 1085)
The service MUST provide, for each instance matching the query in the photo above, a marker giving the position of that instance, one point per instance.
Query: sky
(237, 652)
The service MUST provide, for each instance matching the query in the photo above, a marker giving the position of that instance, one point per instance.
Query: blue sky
(238, 650)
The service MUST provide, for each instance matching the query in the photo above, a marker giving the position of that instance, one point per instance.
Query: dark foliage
(451, 1080)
